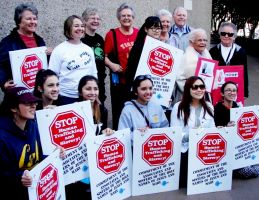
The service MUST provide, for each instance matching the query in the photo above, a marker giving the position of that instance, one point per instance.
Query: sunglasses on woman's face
(142, 77)
(195, 87)
(225, 33)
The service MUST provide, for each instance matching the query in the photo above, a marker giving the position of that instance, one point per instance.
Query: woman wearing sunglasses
(222, 118)
(227, 52)
(140, 113)
(191, 112)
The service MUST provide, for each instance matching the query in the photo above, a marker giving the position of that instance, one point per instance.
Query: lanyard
(230, 52)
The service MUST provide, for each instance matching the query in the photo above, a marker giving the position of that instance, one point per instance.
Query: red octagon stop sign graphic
(157, 149)
(47, 187)
(160, 61)
(67, 130)
(211, 148)
(110, 155)
(29, 68)
(247, 125)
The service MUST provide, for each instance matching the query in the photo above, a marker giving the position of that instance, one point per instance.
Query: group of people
(76, 73)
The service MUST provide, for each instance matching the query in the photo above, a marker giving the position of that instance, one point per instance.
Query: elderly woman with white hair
(166, 19)
(197, 48)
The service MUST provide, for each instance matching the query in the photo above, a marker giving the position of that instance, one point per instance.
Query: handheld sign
(209, 162)
(245, 136)
(206, 69)
(228, 73)
(26, 63)
(48, 180)
(68, 126)
(110, 165)
(156, 160)
(161, 61)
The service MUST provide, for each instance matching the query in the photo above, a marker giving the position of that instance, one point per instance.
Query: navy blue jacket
(19, 150)
(12, 42)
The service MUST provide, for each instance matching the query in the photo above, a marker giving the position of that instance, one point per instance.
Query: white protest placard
(245, 136)
(110, 165)
(26, 63)
(161, 61)
(156, 160)
(209, 161)
(68, 126)
(48, 180)
(206, 69)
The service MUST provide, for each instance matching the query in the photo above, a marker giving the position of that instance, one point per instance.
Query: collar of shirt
(179, 31)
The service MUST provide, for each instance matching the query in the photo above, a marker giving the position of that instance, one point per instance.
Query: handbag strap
(115, 44)
(141, 112)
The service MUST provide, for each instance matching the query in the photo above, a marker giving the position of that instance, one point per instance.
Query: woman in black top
(222, 118)
(88, 90)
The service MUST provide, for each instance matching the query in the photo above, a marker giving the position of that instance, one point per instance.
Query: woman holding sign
(191, 112)
(23, 36)
(222, 118)
(152, 27)
(20, 146)
(141, 113)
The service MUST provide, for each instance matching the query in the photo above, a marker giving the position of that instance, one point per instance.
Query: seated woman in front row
(88, 90)
(46, 88)
(191, 112)
(142, 113)
(222, 118)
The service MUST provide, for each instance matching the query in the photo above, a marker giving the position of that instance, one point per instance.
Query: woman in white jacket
(191, 112)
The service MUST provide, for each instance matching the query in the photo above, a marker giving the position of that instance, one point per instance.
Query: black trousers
(119, 95)
(183, 170)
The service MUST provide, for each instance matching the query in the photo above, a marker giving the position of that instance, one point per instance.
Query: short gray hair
(230, 24)
(88, 12)
(179, 8)
(164, 12)
(21, 8)
(122, 7)
(195, 32)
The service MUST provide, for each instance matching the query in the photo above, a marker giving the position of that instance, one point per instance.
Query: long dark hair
(137, 82)
(96, 105)
(184, 106)
(149, 22)
(41, 77)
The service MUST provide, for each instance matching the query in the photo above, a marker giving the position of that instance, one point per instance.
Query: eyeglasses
(230, 91)
(142, 77)
(156, 29)
(225, 33)
(195, 87)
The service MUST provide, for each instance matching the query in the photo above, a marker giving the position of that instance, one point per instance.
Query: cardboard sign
(228, 73)
(206, 69)
(209, 168)
(26, 63)
(161, 61)
(156, 160)
(48, 180)
(68, 126)
(110, 165)
(245, 136)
